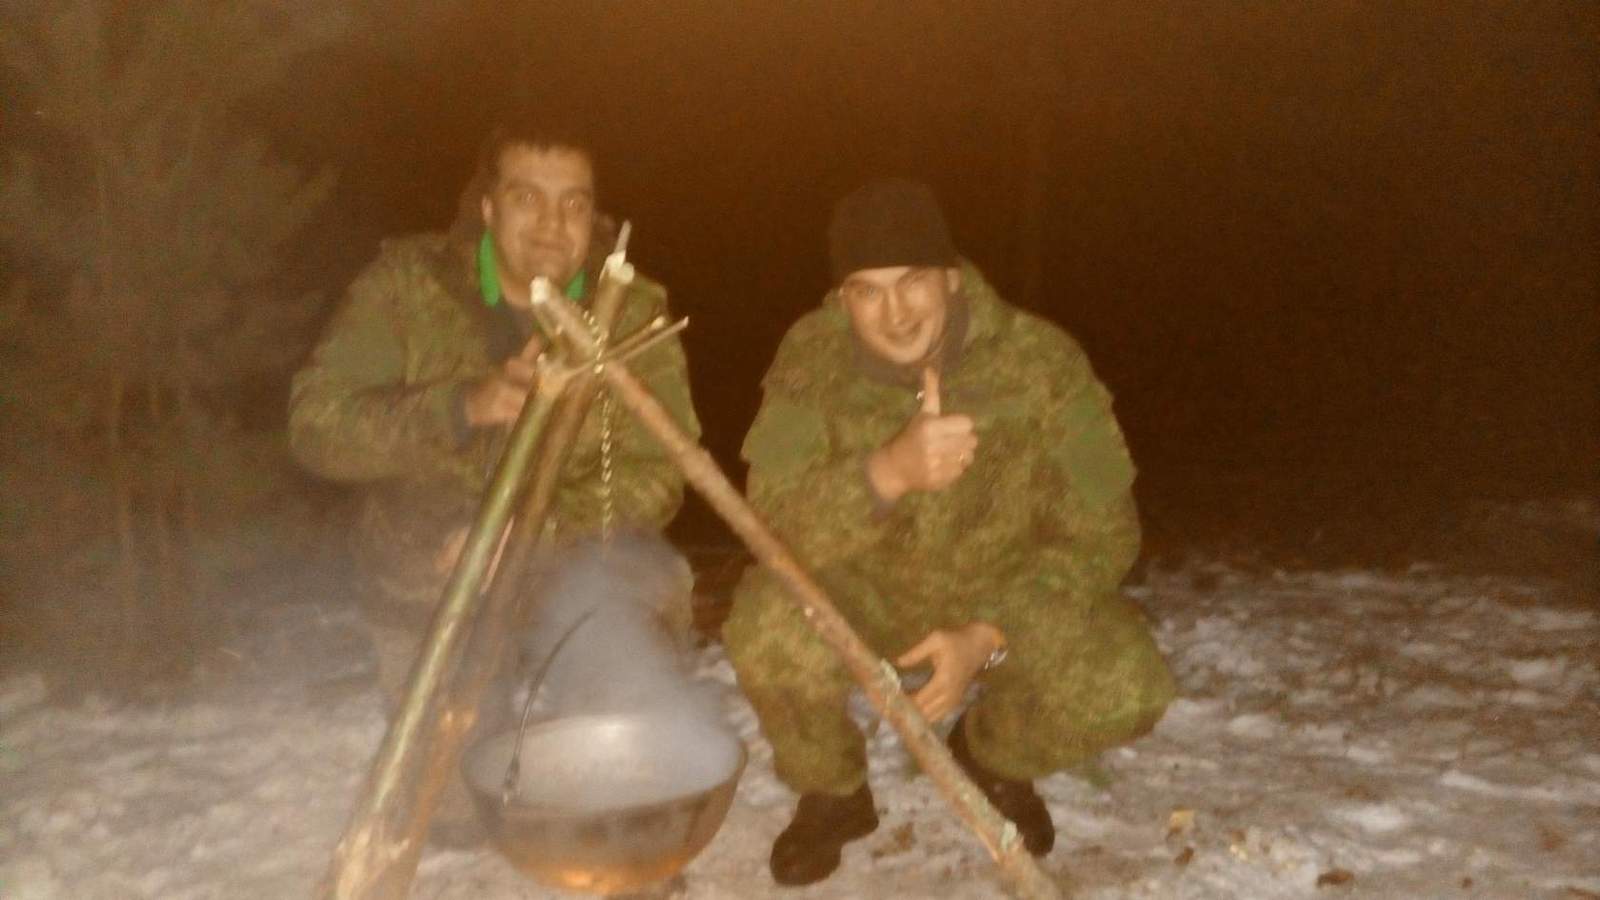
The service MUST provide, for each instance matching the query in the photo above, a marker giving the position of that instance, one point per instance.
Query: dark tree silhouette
(164, 221)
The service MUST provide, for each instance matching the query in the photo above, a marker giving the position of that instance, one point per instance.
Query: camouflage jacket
(378, 404)
(1045, 514)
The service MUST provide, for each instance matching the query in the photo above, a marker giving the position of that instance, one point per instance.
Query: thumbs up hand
(929, 453)
(930, 392)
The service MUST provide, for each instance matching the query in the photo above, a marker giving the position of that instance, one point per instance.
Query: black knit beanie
(892, 222)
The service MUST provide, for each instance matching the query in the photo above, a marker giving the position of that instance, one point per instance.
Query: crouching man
(413, 388)
(949, 469)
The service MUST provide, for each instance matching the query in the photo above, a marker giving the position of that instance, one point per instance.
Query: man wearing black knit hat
(948, 467)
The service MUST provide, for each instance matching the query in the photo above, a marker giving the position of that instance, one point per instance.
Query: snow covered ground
(1339, 734)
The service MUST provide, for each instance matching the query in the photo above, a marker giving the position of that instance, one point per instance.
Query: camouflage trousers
(1064, 693)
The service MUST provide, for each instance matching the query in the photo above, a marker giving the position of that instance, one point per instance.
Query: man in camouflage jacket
(980, 526)
(415, 383)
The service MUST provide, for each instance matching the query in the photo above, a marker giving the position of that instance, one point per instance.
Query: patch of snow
(1409, 731)
(1525, 697)
(1189, 711)
(19, 692)
(1432, 696)
(1555, 619)
(1257, 726)
(1357, 581)
(1368, 756)
(1378, 818)
(1455, 778)
(1321, 733)
(1538, 670)
(29, 879)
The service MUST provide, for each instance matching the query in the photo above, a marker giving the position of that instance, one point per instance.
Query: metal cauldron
(606, 803)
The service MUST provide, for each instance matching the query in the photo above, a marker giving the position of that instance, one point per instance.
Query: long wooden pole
(876, 676)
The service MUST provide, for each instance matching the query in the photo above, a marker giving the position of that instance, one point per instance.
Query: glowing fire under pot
(606, 803)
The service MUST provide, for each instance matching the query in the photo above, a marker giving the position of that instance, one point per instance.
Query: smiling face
(540, 212)
(899, 312)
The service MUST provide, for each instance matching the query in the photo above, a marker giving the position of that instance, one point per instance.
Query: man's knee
(757, 626)
(1061, 698)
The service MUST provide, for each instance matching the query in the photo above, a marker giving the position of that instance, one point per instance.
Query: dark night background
(1337, 261)
(1322, 253)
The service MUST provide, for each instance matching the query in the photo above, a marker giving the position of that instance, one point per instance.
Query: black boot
(808, 850)
(1016, 800)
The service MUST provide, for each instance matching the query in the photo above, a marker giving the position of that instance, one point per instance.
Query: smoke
(611, 627)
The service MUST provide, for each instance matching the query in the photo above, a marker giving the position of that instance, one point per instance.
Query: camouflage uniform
(1034, 538)
(379, 403)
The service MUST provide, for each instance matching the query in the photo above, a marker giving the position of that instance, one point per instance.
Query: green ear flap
(488, 275)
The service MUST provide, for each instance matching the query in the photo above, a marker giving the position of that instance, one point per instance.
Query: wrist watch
(995, 658)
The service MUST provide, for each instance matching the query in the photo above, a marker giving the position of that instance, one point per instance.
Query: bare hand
(498, 397)
(929, 454)
(957, 655)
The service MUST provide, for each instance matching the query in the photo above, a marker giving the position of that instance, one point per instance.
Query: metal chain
(607, 513)
(607, 419)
